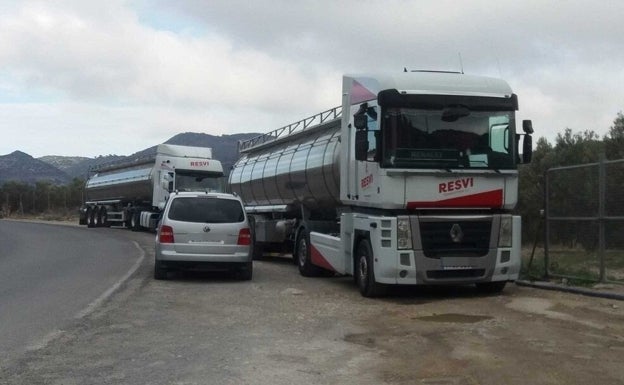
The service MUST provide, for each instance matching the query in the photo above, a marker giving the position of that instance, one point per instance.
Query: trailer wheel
(104, 217)
(135, 218)
(90, 217)
(97, 217)
(365, 272)
(302, 252)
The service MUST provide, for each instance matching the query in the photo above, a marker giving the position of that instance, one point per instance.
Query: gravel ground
(281, 328)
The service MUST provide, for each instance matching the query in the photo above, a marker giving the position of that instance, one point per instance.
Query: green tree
(614, 140)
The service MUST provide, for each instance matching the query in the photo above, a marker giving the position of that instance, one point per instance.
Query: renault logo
(206, 229)
(456, 233)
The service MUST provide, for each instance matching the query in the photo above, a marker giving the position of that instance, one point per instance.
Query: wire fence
(584, 222)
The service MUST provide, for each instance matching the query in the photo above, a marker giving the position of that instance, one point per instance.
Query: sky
(90, 77)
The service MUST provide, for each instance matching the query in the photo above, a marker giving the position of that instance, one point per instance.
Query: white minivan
(207, 231)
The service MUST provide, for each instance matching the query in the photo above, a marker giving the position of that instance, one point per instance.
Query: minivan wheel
(491, 287)
(160, 273)
(246, 273)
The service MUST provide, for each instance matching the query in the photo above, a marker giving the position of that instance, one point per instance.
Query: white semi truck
(133, 192)
(411, 181)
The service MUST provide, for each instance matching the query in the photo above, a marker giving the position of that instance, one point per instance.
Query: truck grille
(455, 238)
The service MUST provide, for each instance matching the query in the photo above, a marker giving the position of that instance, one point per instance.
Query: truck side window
(373, 135)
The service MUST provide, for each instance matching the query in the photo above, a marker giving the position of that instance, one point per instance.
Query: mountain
(21, 167)
(77, 166)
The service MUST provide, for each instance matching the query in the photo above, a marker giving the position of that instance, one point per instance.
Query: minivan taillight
(244, 237)
(165, 234)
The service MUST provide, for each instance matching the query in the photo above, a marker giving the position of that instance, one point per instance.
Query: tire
(98, 217)
(302, 256)
(135, 221)
(365, 272)
(104, 217)
(257, 251)
(491, 287)
(91, 217)
(160, 273)
(245, 273)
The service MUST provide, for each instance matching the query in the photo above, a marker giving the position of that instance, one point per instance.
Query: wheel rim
(302, 252)
(363, 271)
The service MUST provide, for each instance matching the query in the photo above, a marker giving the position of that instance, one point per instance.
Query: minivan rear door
(206, 225)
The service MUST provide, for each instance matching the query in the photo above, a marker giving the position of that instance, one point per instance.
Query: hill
(77, 166)
(21, 167)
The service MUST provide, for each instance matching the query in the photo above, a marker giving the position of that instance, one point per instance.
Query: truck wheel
(302, 252)
(82, 218)
(104, 217)
(97, 216)
(160, 272)
(90, 217)
(491, 287)
(365, 272)
(135, 221)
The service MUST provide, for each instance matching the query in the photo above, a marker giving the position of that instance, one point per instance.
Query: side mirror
(361, 144)
(360, 121)
(527, 126)
(527, 148)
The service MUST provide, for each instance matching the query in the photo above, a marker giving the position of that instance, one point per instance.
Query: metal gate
(584, 222)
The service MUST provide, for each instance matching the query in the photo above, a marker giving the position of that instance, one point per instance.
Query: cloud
(103, 54)
(156, 68)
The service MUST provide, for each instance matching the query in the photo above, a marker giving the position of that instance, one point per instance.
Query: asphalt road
(281, 328)
(51, 275)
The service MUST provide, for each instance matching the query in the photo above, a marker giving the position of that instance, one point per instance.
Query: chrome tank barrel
(135, 184)
(298, 170)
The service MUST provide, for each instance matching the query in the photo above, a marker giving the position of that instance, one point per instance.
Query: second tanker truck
(133, 192)
(411, 181)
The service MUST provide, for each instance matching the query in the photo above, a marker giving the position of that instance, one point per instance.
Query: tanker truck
(133, 192)
(411, 181)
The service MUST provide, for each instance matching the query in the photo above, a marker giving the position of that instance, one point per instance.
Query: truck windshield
(452, 138)
(194, 181)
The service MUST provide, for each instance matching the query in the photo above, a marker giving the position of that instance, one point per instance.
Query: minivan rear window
(206, 210)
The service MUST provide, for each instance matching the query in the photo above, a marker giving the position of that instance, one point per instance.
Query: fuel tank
(301, 169)
(131, 183)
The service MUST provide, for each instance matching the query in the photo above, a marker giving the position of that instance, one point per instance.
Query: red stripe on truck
(488, 199)
(317, 259)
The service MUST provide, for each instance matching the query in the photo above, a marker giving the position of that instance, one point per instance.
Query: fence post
(601, 214)
(546, 225)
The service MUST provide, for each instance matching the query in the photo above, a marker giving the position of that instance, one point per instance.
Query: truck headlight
(404, 233)
(505, 232)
